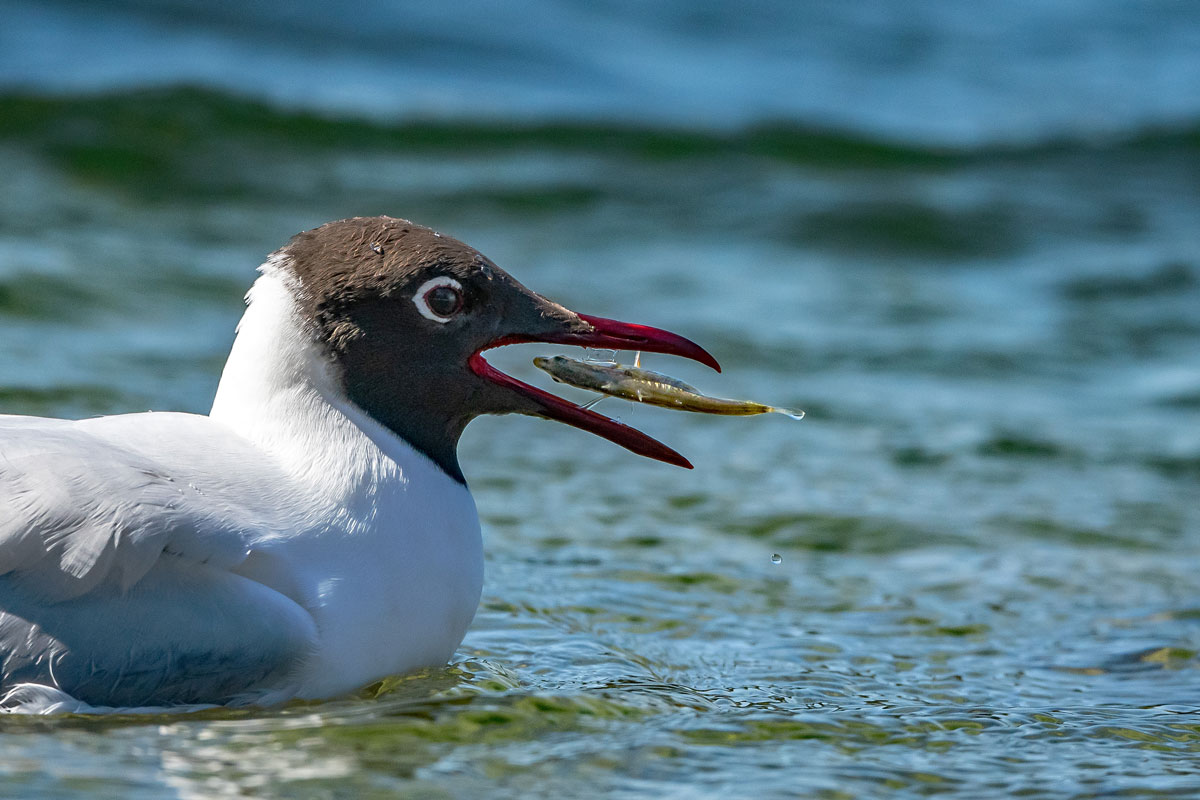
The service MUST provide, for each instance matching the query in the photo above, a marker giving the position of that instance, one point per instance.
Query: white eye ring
(428, 286)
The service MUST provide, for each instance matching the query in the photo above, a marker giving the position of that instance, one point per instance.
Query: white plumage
(285, 545)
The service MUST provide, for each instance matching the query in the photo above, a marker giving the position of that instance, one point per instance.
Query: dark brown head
(404, 313)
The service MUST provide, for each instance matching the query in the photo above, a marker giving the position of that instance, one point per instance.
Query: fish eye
(439, 298)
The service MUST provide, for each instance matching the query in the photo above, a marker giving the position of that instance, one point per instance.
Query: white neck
(384, 533)
(280, 391)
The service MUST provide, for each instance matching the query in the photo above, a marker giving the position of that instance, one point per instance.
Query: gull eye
(443, 300)
(439, 298)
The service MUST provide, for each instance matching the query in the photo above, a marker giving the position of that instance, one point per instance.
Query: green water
(988, 521)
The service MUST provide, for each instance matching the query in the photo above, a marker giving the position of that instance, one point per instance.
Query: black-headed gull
(314, 532)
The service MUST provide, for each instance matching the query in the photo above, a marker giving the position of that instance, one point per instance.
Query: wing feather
(115, 567)
(77, 509)
(182, 635)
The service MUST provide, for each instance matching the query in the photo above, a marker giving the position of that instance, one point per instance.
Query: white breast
(387, 554)
(392, 596)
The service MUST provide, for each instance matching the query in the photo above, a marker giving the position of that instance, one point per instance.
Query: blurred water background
(965, 237)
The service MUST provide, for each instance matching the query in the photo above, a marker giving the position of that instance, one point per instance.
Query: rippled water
(987, 525)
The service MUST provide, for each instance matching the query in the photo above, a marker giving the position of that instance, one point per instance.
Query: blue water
(966, 239)
(948, 73)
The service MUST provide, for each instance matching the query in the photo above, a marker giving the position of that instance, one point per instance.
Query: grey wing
(186, 633)
(78, 510)
(115, 580)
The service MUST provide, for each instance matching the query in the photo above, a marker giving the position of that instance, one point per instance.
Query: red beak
(588, 331)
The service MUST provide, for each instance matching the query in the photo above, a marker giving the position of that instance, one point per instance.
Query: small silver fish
(644, 386)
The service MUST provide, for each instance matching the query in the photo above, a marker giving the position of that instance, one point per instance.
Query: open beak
(565, 327)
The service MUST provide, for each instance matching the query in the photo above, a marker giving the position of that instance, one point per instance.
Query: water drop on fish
(776, 558)
(600, 355)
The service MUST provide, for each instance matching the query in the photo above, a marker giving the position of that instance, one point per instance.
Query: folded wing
(78, 510)
(116, 581)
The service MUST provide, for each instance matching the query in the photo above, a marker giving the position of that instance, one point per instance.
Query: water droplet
(598, 355)
(776, 558)
(377, 247)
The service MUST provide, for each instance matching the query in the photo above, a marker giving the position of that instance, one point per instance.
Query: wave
(136, 127)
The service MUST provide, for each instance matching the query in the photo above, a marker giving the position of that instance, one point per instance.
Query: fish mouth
(583, 330)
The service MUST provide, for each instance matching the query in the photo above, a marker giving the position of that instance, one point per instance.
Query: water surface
(988, 523)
